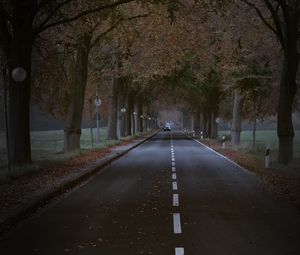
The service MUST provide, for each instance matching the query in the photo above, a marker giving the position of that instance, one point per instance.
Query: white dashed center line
(174, 177)
(176, 223)
(174, 184)
(175, 200)
(179, 251)
(176, 216)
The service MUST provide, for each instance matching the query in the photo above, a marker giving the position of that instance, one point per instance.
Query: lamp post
(149, 125)
(123, 111)
(133, 122)
(141, 123)
(97, 103)
(18, 74)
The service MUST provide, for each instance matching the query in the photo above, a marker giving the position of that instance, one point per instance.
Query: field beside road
(47, 147)
(264, 138)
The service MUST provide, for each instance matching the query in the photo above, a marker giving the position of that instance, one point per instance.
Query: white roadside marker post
(267, 157)
(223, 141)
(201, 134)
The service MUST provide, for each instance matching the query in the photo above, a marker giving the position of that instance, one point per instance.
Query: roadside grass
(47, 148)
(264, 138)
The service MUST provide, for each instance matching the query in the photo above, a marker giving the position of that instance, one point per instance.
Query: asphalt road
(170, 195)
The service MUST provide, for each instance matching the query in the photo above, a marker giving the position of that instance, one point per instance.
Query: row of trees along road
(283, 19)
(202, 52)
(21, 24)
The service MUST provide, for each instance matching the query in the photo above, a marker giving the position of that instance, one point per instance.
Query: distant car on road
(167, 128)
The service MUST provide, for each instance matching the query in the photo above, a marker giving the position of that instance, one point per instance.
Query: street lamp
(123, 110)
(18, 74)
(149, 123)
(97, 103)
(133, 122)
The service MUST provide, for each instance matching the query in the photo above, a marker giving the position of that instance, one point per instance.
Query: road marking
(179, 251)
(222, 156)
(175, 200)
(174, 177)
(176, 223)
(173, 168)
(175, 187)
(173, 163)
(173, 159)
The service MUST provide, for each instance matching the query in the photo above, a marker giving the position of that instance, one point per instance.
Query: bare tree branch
(274, 30)
(98, 38)
(276, 20)
(4, 33)
(52, 13)
(81, 14)
(4, 13)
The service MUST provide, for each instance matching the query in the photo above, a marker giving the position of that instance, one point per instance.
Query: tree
(20, 24)
(283, 19)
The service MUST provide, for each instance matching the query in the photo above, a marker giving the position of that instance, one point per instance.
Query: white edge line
(224, 157)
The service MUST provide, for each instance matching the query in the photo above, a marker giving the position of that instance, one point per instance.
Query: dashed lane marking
(175, 187)
(179, 251)
(173, 168)
(176, 223)
(174, 177)
(175, 200)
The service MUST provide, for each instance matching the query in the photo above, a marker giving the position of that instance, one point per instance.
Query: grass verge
(47, 149)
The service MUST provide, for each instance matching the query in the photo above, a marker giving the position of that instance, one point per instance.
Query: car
(167, 128)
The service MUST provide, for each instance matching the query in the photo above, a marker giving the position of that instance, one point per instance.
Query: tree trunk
(192, 122)
(134, 122)
(122, 104)
(113, 111)
(254, 133)
(72, 132)
(145, 119)
(236, 124)
(129, 113)
(197, 122)
(205, 125)
(140, 120)
(19, 97)
(285, 129)
(214, 125)
(202, 124)
(209, 125)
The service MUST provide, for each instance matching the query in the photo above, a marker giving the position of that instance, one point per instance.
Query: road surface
(170, 195)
